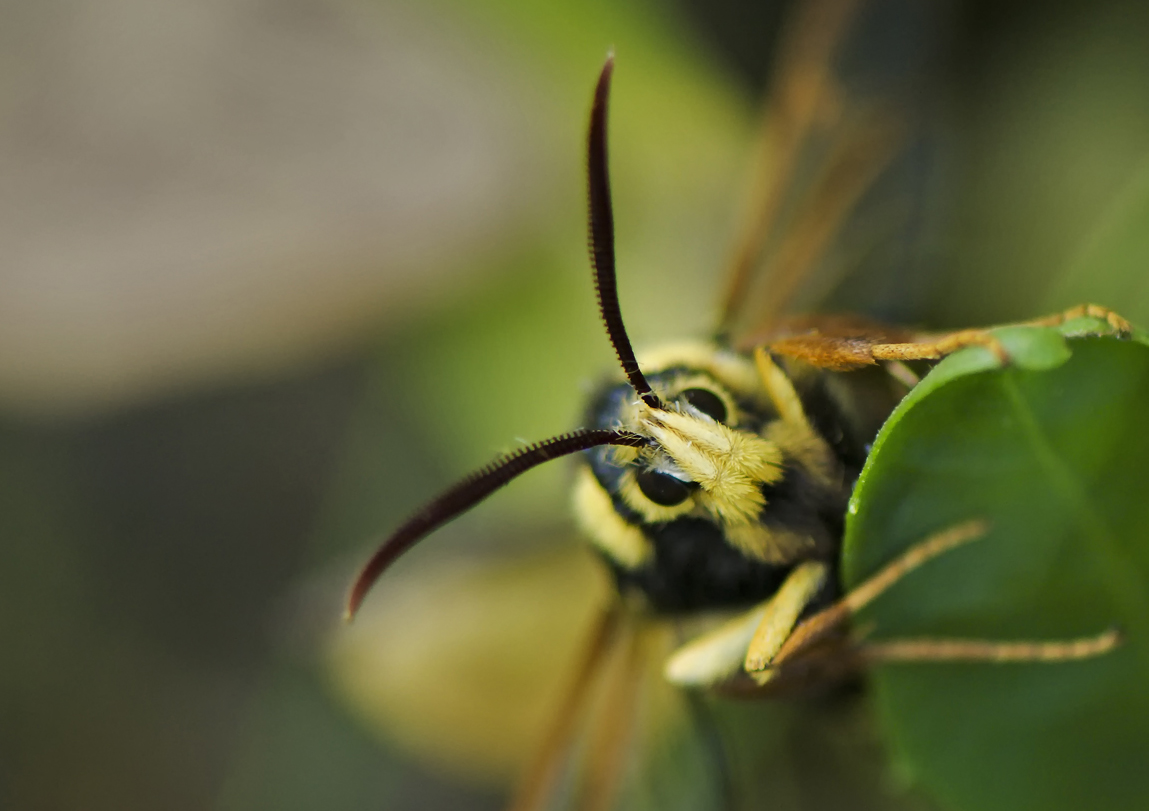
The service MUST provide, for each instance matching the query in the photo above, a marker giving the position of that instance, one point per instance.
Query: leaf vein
(1117, 568)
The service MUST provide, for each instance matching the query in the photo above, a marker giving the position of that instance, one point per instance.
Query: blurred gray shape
(196, 190)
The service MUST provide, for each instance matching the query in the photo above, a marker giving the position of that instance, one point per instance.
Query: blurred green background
(276, 272)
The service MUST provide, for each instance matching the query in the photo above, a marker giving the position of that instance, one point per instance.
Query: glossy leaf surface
(1054, 451)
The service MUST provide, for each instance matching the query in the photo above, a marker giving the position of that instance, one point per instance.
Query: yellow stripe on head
(622, 542)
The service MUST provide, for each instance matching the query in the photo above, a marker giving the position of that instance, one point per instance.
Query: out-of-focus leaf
(1053, 450)
(1051, 133)
(465, 664)
(1110, 265)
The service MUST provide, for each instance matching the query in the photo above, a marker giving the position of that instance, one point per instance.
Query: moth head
(704, 455)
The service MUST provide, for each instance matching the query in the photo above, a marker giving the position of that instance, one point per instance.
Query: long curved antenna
(469, 492)
(601, 238)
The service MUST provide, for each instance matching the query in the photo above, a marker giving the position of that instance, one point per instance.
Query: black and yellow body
(718, 480)
(730, 495)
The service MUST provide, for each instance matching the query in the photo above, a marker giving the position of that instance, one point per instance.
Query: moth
(714, 474)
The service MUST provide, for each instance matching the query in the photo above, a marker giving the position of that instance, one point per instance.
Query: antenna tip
(607, 69)
(354, 600)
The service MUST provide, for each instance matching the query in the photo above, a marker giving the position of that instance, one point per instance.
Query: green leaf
(1053, 451)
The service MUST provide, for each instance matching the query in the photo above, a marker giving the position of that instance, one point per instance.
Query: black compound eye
(707, 402)
(662, 488)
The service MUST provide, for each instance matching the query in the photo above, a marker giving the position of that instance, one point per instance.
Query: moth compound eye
(707, 402)
(662, 488)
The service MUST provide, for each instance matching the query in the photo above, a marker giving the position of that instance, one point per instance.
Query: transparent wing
(839, 215)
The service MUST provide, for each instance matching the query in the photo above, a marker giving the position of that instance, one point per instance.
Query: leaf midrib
(1116, 566)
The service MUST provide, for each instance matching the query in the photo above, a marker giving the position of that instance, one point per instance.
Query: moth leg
(781, 391)
(982, 650)
(902, 373)
(800, 438)
(830, 620)
(844, 346)
(721, 654)
(538, 783)
(844, 353)
(717, 655)
(1118, 324)
(614, 724)
(939, 347)
(836, 353)
(801, 586)
(813, 631)
(847, 353)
